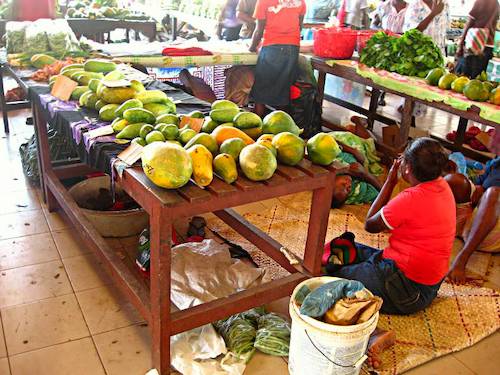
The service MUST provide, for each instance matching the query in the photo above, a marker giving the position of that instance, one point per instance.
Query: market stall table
(96, 28)
(152, 297)
(348, 70)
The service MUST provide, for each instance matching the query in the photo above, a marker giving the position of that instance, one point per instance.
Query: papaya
(139, 141)
(233, 147)
(119, 124)
(151, 96)
(203, 139)
(107, 112)
(78, 91)
(225, 168)
(175, 142)
(253, 133)
(137, 86)
(167, 118)
(91, 101)
(247, 120)
(196, 114)
(139, 115)
(129, 104)
(154, 136)
(130, 131)
(290, 148)
(115, 95)
(268, 143)
(94, 84)
(257, 162)
(85, 77)
(201, 160)
(157, 109)
(99, 66)
(446, 80)
(71, 67)
(40, 60)
(221, 133)
(145, 130)
(434, 75)
(83, 98)
(495, 96)
(115, 75)
(209, 125)
(186, 135)
(224, 104)
(170, 132)
(69, 72)
(166, 164)
(322, 149)
(278, 122)
(99, 104)
(75, 74)
(224, 115)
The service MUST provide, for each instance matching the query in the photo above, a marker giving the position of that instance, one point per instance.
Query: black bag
(306, 109)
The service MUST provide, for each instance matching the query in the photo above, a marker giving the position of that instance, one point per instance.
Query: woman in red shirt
(31, 10)
(407, 274)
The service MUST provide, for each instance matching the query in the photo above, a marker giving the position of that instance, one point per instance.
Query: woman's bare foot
(380, 340)
(361, 127)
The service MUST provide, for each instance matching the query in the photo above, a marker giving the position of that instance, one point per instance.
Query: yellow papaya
(225, 168)
(201, 160)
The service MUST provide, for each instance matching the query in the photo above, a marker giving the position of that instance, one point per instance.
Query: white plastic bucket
(318, 348)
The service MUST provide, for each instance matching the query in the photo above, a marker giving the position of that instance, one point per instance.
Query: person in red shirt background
(408, 273)
(279, 23)
(31, 10)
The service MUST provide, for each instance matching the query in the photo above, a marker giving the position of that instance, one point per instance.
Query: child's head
(424, 160)
(341, 191)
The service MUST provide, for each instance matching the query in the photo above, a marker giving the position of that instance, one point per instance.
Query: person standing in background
(356, 14)
(377, 15)
(244, 12)
(228, 27)
(394, 16)
(30, 10)
(279, 23)
(484, 14)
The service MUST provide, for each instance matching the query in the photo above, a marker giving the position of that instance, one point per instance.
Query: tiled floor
(61, 315)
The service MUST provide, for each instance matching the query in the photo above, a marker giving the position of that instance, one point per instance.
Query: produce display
(478, 89)
(200, 8)
(49, 66)
(102, 9)
(412, 54)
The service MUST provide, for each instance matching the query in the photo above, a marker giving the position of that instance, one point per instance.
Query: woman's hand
(437, 7)
(394, 171)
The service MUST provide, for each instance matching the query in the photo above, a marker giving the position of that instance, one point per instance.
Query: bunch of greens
(273, 335)
(238, 334)
(15, 35)
(413, 54)
(36, 40)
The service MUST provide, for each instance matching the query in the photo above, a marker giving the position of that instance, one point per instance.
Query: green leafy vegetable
(273, 335)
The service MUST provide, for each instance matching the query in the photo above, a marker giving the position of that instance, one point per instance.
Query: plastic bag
(273, 335)
(36, 38)
(15, 36)
(239, 334)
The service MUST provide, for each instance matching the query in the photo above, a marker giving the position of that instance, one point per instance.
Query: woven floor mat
(458, 318)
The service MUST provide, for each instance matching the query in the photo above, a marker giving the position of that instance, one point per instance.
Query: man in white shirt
(357, 14)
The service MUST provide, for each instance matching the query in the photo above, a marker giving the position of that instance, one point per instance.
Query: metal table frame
(152, 299)
(6, 107)
(350, 74)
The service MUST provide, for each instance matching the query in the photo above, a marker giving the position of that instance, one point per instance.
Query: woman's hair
(427, 159)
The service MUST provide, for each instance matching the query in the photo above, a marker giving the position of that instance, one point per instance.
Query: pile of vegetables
(102, 9)
(254, 329)
(412, 54)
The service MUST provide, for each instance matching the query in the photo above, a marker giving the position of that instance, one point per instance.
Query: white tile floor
(61, 315)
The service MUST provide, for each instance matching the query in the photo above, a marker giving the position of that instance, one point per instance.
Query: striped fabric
(475, 40)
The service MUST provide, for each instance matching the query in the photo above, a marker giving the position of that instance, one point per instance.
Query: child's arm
(257, 35)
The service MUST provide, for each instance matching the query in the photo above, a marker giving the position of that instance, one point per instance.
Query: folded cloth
(191, 51)
(350, 311)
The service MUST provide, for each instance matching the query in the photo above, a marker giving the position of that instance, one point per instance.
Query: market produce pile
(102, 9)
(254, 329)
(478, 89)
(412, 54)
(53, 37)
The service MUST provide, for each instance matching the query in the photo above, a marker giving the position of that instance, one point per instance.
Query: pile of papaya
(230, 142)
(478, 89)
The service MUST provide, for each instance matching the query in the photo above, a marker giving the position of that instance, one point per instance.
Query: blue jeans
(384, 279)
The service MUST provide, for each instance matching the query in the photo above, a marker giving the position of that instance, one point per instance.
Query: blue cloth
(276, 71)
(383, 278)
(491, 175)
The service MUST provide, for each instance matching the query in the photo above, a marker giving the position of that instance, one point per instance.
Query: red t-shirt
(282, 20)
(422, 223)
(29, 10)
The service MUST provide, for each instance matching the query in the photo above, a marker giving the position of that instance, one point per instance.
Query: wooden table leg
(44, 162)
(373, 107)
(318, 224)
(406, 121)
(462, 128)
(174, 28)
(3, 104)
(161, 232)
(321, 87)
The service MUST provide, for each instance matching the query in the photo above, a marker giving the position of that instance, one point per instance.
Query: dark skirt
(275, 73)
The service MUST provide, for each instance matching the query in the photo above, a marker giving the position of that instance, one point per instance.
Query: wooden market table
(152, 297)
(96, 28)
(349, 73)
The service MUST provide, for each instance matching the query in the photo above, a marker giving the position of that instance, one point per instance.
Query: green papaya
(209, 125)
(131, 103)
(115, 95)
(99, 66)
(85, 77)
(225, 167)
(157, 109)
(40, 60)
(224, 115)
(167, 118)
(139, 115)
(99, 104)
(94, 84)
(107, 113)
(83, 98)
(130, 131)
(78, 92)
(204, 139)
(151, 96)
